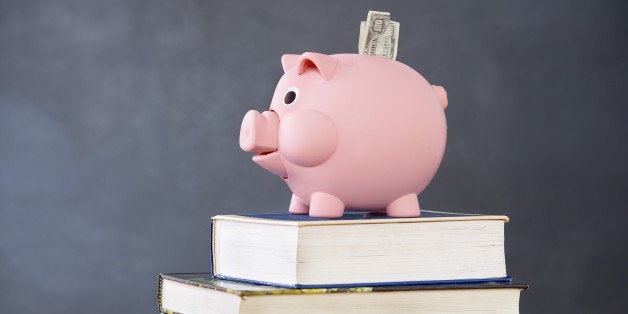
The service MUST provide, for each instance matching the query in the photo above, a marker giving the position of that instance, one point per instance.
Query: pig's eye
(291, 96)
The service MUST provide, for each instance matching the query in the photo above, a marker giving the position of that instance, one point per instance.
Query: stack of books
(284, 263)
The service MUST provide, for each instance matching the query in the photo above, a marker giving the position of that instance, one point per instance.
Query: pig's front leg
(298, 206)
(323, 205)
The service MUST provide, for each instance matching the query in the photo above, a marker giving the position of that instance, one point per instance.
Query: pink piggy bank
(350, 131)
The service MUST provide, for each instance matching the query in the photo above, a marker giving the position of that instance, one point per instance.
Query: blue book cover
(241, 288)
(366, 216)
(351, 218)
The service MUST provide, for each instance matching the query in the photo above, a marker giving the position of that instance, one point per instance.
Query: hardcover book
(299, 251)
(201, 293)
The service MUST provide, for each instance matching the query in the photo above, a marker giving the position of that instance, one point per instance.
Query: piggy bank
(350, 132)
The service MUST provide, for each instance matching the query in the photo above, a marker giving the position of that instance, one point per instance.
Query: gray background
(119, 125)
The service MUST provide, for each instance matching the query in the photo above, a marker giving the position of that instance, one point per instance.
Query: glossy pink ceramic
(352, 132)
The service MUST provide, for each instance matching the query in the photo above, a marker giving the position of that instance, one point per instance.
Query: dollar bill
(379, 35)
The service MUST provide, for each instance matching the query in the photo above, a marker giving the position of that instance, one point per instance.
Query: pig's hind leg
(405, 206)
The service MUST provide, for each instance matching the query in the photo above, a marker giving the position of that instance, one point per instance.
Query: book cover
(363, 218)
(241, 288)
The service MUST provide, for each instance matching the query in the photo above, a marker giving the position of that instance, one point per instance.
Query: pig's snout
(259, 131)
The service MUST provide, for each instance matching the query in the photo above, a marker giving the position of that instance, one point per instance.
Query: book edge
(454, 285)
(159, 286)
(212, 243)
(172, 276)
(463, 217)
(441, 284)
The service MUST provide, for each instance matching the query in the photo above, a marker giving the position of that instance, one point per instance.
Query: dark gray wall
(119, 127)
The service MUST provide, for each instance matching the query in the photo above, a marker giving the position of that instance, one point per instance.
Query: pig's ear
(441, 94)
(288, 62)
(326, 65)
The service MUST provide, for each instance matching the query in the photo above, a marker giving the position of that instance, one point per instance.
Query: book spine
(159, 285)
(212, 256)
